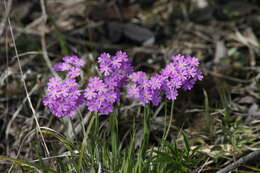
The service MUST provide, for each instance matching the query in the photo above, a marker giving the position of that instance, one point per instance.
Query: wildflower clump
(64, 95)
(101, 94)
(181, 73)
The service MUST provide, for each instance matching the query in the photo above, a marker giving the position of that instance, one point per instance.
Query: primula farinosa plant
(63, 96)
(181, 73)
(102, 92)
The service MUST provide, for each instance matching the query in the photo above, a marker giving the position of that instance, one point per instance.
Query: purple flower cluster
(181, 73)
(71, 64)
(115, 69)
(63, 96)
(145, 89)
(101, 94)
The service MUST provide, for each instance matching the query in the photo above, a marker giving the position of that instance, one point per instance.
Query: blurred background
(223, 34)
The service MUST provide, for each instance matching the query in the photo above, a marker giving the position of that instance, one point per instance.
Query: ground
(220, 114)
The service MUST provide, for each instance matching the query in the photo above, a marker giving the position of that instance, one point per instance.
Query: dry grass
(36, 34)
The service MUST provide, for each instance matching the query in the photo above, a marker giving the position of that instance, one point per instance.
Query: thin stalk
(165, 119)
(146, 130)
(96, 128)
(114, 139)
(169, 125)
(209, 118)
(84, 142)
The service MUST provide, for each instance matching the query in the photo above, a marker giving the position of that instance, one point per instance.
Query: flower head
(63, 96)
(100, 97)
(74, 60)
(62, 67)
(156, 81)
(145, 89)
(70, 64)
(138, 77)
(101, 94)
(181, 73)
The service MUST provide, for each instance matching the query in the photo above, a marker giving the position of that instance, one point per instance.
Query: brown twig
(25, 87)
(26, 90)
(240, 162)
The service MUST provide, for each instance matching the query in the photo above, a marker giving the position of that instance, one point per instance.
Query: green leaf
(27, 163)
(60, 37)
(186, 142)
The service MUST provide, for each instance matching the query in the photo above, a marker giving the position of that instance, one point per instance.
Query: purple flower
(145, 89)
(146, 95)
(192, 72)
(116, 65)
(116, 62)
(112, 81)
(171, 93)
(199, 74)
(71, 65)
(122, 56)
(104, 58)
(181, 73)
(95, 81)
(101, 94)
(63, 96)
(74, 72)
(138, 77)
(156, 97)
(188, 84)
(156, 81)
(62, 67)
(119, 59)
(134, 91)
(173, 82)
(193, 61)
(105, 66)
(97, 85)
(90, 93)
(106, 69)
(74, 60)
